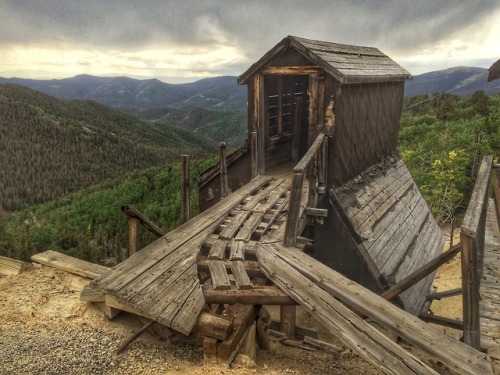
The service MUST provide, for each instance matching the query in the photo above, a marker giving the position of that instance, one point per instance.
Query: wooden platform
(162, 281)
(489, 304)
(395, 230)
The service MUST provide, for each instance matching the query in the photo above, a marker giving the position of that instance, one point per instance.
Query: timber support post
(133, 235)
(185, 189)
(224, 186)
(288, 315)
(472, 243)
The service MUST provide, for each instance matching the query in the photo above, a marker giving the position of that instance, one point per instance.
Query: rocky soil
(45, 329)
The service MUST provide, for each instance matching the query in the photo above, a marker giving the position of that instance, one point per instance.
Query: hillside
(51, 147)
(461, 80)
(219, 93)
(227, 126)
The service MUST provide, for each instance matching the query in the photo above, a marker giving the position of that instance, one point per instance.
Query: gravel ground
(45, 329)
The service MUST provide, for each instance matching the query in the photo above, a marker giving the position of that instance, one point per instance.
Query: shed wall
(366, 127)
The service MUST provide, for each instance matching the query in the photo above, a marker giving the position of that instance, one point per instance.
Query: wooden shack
(378, 228)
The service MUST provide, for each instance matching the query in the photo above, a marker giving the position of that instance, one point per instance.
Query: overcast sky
(185, 40)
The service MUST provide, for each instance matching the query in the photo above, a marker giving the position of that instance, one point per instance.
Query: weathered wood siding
(366, 127)
(394, 227)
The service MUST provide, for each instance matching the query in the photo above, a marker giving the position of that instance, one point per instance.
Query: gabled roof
(346, 63)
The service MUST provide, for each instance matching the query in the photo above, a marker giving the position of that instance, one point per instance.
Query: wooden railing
(472, 236)
(313, 167)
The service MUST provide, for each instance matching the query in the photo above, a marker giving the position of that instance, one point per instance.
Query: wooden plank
(354, 332)
(133, 235)
(288, 320)
(271, 199)
(292, 222)
(187, 314)
(290, 70)
(220, 279)
(259, 295)
(234, 225)
(377, 208)
(253, 200)
(240, 275)
(69, 264)
(9, 266)
(454, 354)
(89, 294)
(249, 227)
(251, 267)
(478, 201)
(153, 253)
(237, 251)
(218, 250)
(243, 316)
(145, 222)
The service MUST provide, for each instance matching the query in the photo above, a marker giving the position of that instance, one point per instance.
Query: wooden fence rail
(472, 242)
(312, 166)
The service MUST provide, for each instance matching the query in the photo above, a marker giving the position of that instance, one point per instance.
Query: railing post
(224, 187)
(133, 235)
(185, 206)
(293, 210)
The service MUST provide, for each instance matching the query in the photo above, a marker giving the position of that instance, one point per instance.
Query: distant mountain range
(223, 93)
(219, 93)
(460, 80)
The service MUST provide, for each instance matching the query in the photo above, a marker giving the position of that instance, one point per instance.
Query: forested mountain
(226, 126)
(460, 80)
(219, 93)
(51, 147)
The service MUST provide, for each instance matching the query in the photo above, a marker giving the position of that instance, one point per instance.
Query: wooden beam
(145, 222)
(445, 294)
(224, 187)
(259, 295)
(9, 266)
(69, 264)
(420, 273)
(133, 235)
(457, 356)
(354, 332)
(442, 321)
(185, 189)
(290, 70)
(288, 320)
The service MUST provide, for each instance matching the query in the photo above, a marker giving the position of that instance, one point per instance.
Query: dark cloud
(394, 26)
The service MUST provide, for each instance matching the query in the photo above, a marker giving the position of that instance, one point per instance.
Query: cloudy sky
(185, 40)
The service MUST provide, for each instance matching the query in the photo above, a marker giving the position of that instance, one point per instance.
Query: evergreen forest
(442, 140)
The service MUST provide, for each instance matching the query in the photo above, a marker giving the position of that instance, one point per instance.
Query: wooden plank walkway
(489, 303)
(161, 281)
(318, 288)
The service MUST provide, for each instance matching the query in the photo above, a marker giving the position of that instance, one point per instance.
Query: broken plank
(240, 275)
(69, 264)
(456, 355)
(220, 279)
(9, 266)
(237, 250)
(364, 339)
(218, 249)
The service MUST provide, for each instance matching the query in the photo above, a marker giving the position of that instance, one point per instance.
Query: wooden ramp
(161, 281)
(395, 230)
(317, 288)
(489, 303)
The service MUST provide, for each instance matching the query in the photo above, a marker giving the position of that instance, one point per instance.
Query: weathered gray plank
(454, 354)
(254, 200)
(69, 264)
(153, 253)
(218, 249)
(354, 332)
(234, 225)
(249, 227)
(220, 279)
(240, 275)
(237, 251)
